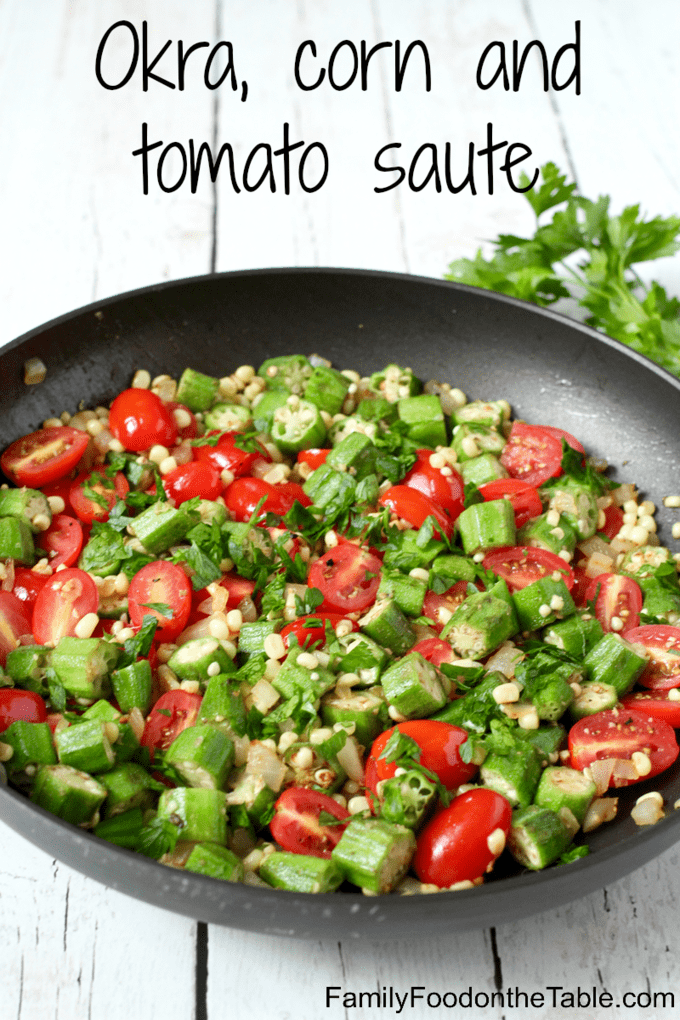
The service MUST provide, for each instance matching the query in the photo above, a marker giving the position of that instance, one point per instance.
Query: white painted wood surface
(76, 227)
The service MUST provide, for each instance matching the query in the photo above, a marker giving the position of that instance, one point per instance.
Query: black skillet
(552, 371)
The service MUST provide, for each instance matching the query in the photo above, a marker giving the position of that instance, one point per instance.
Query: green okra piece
(424, 420)
(160, 526)
(374, 854)
(538, 835)
(553, 537)
(26, 666)
(614, 661)
(487, 526)
(252, 793)
(377, 409)
(642, 562)
(452, 568)
(199, 814)
(551, 697)
(103, 711)
(128, 786)
(300, 872)
(408, 592)
(577, 503)
(327, 388)
(594, 697)
(407, 799)
(361, 655)
(68, 793)
(479, 625)
(386, 624)
(200, 659)
(83, 665)
(32, 744)
(210, 510)
(325, 485)
(516, 774)
(288, 371)
(414, 687)
(196, 390)
(292, 679)
(122, 830)
(267, 404)
(25, 504)
(132, 686)
(492, 413)
(298, 427)
(227, 417)
(365, 710)
(560, 787)
(203, 755)
(223, 706)
(542, 602)
(86, 747)
(395, 383)
(472, 440)
(482, 469)
(16, 541)
(356, 453)
(216, 861)
(576, 635)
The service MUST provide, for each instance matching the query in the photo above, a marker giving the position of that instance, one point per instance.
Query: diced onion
(601, 772)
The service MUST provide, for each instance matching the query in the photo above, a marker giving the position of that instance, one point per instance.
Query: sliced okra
(300, 872)
(408, 592)
(365, 710)
(196, 390)
(615, 661)
(538, 835)
(515, 774)
(232, 417)
(199, 659)
(560, 787)
(394, 383)
(298, 427)
(83, 665)
(203, 755)
(216, 861)
(160, 526)
(373, 854)
(492, 413)
(377, 409)
(26, 665)
(386, 624)
(128, 786)
(327, 388)
(414, 687)
(16, 541)
(25, 505)
(482, 469)
(470, 441)
(32, 744)
(326, 485)
(223, 706)
(407, 799)
(132, 686)
(356, 453)
(576, 635)
(487, 526)
(199, 814)
(86, 747)
(122, 830)
(542, 602)
(289, 372)
(424, 420)
(479, 625)
(594, 697)
(68, 793)
(541, 533)
(267, 405)
(578, 504)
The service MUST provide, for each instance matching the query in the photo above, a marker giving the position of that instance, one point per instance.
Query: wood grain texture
(76, 227)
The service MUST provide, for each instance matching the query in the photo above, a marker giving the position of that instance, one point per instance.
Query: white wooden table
(76, 227)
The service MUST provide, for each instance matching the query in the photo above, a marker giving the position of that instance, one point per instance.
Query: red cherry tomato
(532, 453)
(62, 541)
(619, 733)
(658, 704)
(414, 506)
(16, 705)
(243, 495)
(561, 434)
(237, 587)
(188, 431)
(139, 419)
(613, 521)
(520, 565)
(14, 622)
(440, 752)
(197, 478)
(435, 650)
(296, 827)
(581, 585)
(65, 599)
(438, 608)
(447, 491)
(226, 455)
(454, 845)
(27, 585)
(173, 712)
(44, 456)
(310, 631)
(164, 584)
(616, 598)
(524, 498)
(662, 642)
(314, 458)
(62, 488)
(107, 489)
(348, 577)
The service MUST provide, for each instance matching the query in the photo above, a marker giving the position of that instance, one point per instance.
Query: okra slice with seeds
(200, 659)
(230, 417)
(361, 655)
(203, 755)
(365, 710)
(216, 861)
(289, 371)
(479, 625)
(395, 383)
(538, 835)
(68, 793)
(300, 872)
(83, 665)
(542, 533)
(407, 799)
(485, 526)
(267, 404)
(560, 787)
(374, 854)
(515, 774)
(470, 441)
(85, 746)
(594, 697)
(196, 390)
(577, 503)
(492, 413)
(26, 505)
(414, 687)
(298, 425)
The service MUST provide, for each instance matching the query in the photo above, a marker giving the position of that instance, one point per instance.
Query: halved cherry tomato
(454, 845)
(435, 650)
(314, 458)
(296, 827)
(173, 712)
(658, 704)
(65, 599)
(14, 622)
(439, 744)
(197, 478)
(189, 431)
(414, 506)
(581, 585)
(243, 495)
(24, 705)
(532, 453)
(62, 541)
(62, 488)
(44, 456)
(567, 436)
(524, 498)
(226, 455)
(520, 565)
(166, 585)
(447, 491)
(613, 521)
(310, 631)
(27, 585)
(348, 577)
(616, 598)
(139, 419)
(109, 490)
(619, 733)
(237, 587)
(438, 608)
(662, 642)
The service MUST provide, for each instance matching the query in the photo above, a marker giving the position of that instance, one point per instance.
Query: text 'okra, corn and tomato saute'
(304, 629)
